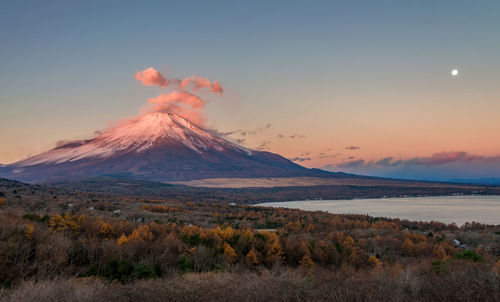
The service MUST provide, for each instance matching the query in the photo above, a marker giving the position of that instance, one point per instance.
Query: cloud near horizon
(263, 146)
(322, 155)
(304, 156)
(439, 158)
(239, 136)
(291, 136)
(300, 159)
(437, 166)
(241, 132)
(248, 132)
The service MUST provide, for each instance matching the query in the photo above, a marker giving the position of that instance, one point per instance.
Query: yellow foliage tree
(408, 247)
(81, 220)
(275, 248)
(372, 259)
(293, 226)
(2, 201)
(105, 229)
(29, 231)
(229, 253)
(306, 261)
(248, 235)
(440, 252)
(309, 228)
(141, 233)
(252, 257)
(122, 240)
(66, 223)
(397, 269)
(225, 234)
(348, 241)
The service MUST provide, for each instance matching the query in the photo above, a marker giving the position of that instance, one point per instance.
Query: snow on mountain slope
(155, 147)
(137, 136)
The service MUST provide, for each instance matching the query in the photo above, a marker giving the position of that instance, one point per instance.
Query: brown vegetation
(131, 249)
(466, 282)
(268, 182)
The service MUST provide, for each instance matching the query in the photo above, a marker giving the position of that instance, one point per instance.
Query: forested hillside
(85, 249)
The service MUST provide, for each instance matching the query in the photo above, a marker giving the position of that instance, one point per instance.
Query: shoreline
(446, 209)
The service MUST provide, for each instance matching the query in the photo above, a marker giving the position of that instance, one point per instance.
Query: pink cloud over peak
(163, 102)
(150, 77)
(198, 83)
(182, 103)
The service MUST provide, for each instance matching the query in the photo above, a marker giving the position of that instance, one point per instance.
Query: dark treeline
(115, 189)
(146, 189)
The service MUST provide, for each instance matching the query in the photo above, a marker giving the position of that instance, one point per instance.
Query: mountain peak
(156, 147)
(137, 135)
(157, 127)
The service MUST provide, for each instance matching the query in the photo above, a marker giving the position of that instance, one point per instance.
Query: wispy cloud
(440, 158)
(304, 156)
(292, 136)
(300, 159)
(239, 141)
(263, 146)
(435, 159)
(239, 136)
(244, 132)
(352, 148)
(443, 166)
(322, 155)
(351, 163)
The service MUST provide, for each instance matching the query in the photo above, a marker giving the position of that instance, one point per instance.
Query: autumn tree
(306, 261)
(141, 233)
(66, 223)
(440, 253)
(229, 255)
(29, 231)
(252, 258)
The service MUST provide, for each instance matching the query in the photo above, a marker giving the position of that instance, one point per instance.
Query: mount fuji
(156, 147)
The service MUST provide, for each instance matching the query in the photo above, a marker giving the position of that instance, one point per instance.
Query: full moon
(454, 72)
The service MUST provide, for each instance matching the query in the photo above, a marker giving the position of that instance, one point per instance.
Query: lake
(448, 209)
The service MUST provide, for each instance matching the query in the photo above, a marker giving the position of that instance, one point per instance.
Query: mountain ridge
(156, 147)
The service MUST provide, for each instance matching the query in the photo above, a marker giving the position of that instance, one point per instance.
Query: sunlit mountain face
(157, 146)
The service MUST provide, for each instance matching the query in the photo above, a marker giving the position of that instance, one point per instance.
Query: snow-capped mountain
(137, 136)
(156, 146)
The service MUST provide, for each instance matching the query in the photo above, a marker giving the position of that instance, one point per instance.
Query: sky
(357, 86)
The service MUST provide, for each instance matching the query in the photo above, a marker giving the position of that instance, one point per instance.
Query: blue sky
(374, 74)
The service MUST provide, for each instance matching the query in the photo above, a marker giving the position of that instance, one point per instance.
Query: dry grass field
(270, 182)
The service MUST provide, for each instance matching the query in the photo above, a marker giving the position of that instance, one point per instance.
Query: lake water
(448, 209)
